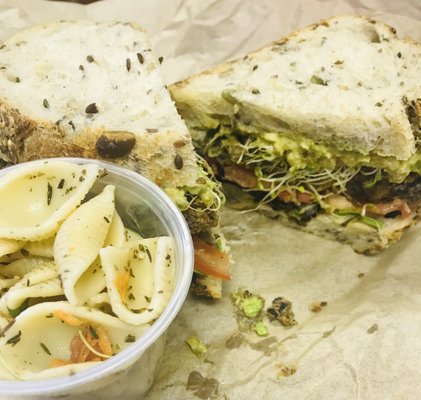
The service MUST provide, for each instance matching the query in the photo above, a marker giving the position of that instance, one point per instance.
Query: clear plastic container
(129, 374)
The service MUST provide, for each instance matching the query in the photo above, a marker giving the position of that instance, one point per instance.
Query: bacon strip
(241, 176)
(80, 353)
(386, 208)
(295, 196)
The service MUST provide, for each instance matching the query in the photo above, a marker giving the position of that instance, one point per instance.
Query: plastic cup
(129, 374)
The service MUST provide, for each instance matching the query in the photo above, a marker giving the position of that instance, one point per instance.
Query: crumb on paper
(261, 328)
(317, 306)
(196, 346)
(250, 304)
(360, 275)
(281, 311)
(373, 328)
(286, 370)
(328, 333)
(202, 387)
(250, 311)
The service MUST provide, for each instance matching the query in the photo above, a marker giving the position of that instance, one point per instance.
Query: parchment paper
(366, 343)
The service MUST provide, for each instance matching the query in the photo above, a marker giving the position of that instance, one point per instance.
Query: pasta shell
(43, 333)
(22, 266)
(6, 283)
(116, 235)
(90, 283)
(98, 300)
(79, 240)
(132, 235)
(41, 248)
(37, 197)
(142, 272)
(121, 265)
(8, 246)
(8, 258)
(39, 282)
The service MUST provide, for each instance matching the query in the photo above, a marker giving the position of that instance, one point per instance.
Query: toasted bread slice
(343, 81)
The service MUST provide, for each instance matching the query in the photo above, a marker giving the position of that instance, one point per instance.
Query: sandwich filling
(303, 178)
(200, 203)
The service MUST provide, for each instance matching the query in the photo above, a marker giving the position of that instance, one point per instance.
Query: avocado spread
(206, 195)
(295, 152)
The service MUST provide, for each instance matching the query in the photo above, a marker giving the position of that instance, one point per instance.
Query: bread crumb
(281, 310)
(360, 275)
(286, 370)
(373, 328)
(317, 306)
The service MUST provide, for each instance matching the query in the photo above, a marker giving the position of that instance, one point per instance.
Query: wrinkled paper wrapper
(366, 342)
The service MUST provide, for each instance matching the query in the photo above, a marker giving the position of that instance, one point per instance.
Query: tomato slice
(209, 260)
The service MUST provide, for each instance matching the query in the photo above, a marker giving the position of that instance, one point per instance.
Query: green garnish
(373, 222)
(261, 328)
(318, 81)
(377, 178)
(356, 216)
(92, 331)
(45, 348)
(148, 252)
(15, 312)
(130, 339)
(61, 184)
(251, 305)
(49, 193)
(15, 339)
(196, 346)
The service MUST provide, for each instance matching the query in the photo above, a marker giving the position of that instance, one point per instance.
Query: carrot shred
(122, 284)
(69, 319)
(58, 362)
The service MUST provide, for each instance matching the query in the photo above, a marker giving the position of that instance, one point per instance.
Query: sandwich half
(94, 90)
(323, 127)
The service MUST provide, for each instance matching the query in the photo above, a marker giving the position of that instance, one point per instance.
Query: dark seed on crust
(91, 109)
(178, 162)
(90, 59)
(179, 143)
(151, 130)
(140, 58)
(81, 67)
(160, 59)
(45, 103)
(114, 144)
(128, 64)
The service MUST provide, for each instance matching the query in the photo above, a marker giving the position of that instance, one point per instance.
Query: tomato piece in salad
(209, 260)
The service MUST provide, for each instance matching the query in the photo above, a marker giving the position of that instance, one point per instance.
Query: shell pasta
(77, 286)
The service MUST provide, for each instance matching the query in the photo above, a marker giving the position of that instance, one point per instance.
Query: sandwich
(94, 90)
(321, 129)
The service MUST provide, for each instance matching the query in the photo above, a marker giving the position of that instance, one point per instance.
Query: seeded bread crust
(37, 120)
(342, 81)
